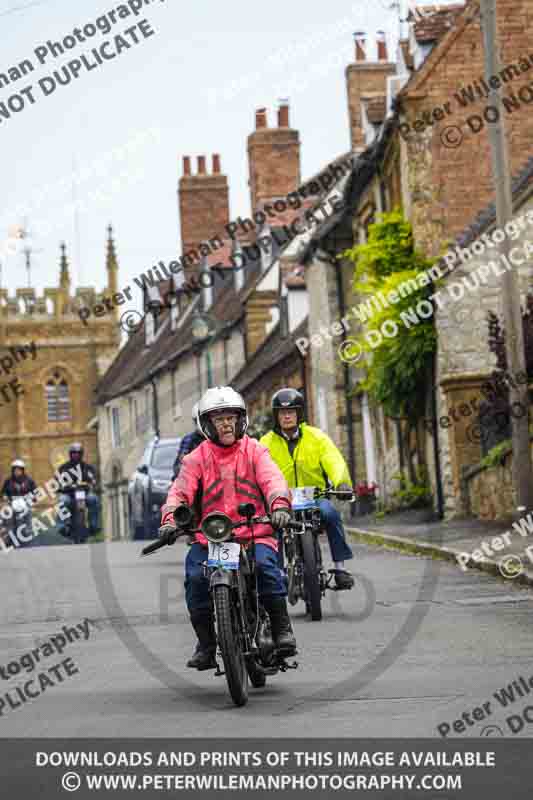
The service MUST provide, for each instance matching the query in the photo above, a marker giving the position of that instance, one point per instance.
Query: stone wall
(488, 491)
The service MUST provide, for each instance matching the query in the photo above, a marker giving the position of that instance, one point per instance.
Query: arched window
(57, 398)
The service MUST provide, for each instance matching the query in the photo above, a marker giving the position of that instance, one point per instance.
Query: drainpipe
(156, 407)
(346, 368)
(436, 453)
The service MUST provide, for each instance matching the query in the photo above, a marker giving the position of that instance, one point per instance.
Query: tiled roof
(135, 362)
(432, 22)
(272, 351)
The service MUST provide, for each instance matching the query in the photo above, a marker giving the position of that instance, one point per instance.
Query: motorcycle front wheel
(230, 645)
(313, 594)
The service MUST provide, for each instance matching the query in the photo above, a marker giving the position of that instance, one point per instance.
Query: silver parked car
(149, 485)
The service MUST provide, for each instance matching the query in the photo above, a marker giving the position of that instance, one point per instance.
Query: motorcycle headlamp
(216, 527)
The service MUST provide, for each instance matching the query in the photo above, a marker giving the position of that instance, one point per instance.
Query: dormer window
(207, 280)
(174, 312)
(149, 328)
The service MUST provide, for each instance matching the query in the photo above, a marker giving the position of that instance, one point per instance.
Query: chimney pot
(201, 165)
(261, 118)
(382, 45)
(216, 163)
(360, 45)
(283, 114)
(186, 165)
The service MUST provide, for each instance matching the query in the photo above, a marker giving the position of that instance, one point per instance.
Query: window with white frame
(115, 427)
(176, 403)
(148, 408)
(149, 328)
(138, 416)
(131, 406)
(174, 312)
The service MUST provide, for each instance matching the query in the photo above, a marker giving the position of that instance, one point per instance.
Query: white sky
(178, 84)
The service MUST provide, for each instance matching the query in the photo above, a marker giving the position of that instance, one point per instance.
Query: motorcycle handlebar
(167, 538)
(340, 494)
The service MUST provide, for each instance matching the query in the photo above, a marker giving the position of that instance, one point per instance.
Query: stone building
(56, 405)
(400, 115)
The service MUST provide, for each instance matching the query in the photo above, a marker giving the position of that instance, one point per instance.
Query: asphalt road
(422, 644)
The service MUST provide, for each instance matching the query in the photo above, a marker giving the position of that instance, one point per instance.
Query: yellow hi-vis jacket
(314, 458)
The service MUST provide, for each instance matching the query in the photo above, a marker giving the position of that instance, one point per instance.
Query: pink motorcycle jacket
(214, 478)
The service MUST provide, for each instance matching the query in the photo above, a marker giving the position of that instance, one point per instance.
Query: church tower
(50, 362)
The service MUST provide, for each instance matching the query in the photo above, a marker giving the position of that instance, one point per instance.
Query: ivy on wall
(397, 367)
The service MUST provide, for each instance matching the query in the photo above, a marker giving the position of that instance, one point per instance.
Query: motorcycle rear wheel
(231, 646)
(313, 594)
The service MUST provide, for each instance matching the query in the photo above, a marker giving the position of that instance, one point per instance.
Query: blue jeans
(331, 520)
(270, 581)
(92, 511)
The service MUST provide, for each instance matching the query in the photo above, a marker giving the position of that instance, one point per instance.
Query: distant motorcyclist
(307, 457)
(189, 442)
(227, 469)
(19, 484)
(88, 475)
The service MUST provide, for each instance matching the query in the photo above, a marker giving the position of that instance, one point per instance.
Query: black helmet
(287, 398)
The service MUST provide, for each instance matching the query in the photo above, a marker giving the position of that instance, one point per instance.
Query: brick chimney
(273, 158)
(366, 78)
(203, 202)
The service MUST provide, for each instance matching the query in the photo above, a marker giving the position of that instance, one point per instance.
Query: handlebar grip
(151, 548)
(295, 526)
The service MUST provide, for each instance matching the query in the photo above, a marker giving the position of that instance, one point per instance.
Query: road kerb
(418, 548)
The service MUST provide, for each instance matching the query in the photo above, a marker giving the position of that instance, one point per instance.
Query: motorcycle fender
(221, 577)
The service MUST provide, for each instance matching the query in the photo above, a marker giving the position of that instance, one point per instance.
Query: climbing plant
(397, 365)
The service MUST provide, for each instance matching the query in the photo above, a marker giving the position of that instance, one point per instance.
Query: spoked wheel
(313, 595)
(231, 646)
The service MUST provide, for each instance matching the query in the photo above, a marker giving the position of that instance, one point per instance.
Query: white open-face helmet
(221, 398)
(18, 462)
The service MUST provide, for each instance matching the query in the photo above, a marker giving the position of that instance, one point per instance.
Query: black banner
(215, 768)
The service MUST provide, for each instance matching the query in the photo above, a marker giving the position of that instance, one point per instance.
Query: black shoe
(202, 659)
(282, 633)
(343, 579)
(204, 655)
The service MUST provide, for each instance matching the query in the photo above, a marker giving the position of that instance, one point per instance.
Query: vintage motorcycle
(307, 578)
(77, 527)
(242, 625)
(19, 523)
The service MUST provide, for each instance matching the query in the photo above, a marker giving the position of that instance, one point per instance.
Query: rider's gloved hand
(280, 518)
(169, 532)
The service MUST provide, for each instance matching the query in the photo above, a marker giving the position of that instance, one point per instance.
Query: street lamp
(204, 329)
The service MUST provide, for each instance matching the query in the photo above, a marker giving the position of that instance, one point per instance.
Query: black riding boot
(281, 625)
(204, 655)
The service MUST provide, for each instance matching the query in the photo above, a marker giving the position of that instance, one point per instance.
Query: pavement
(506, 558)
